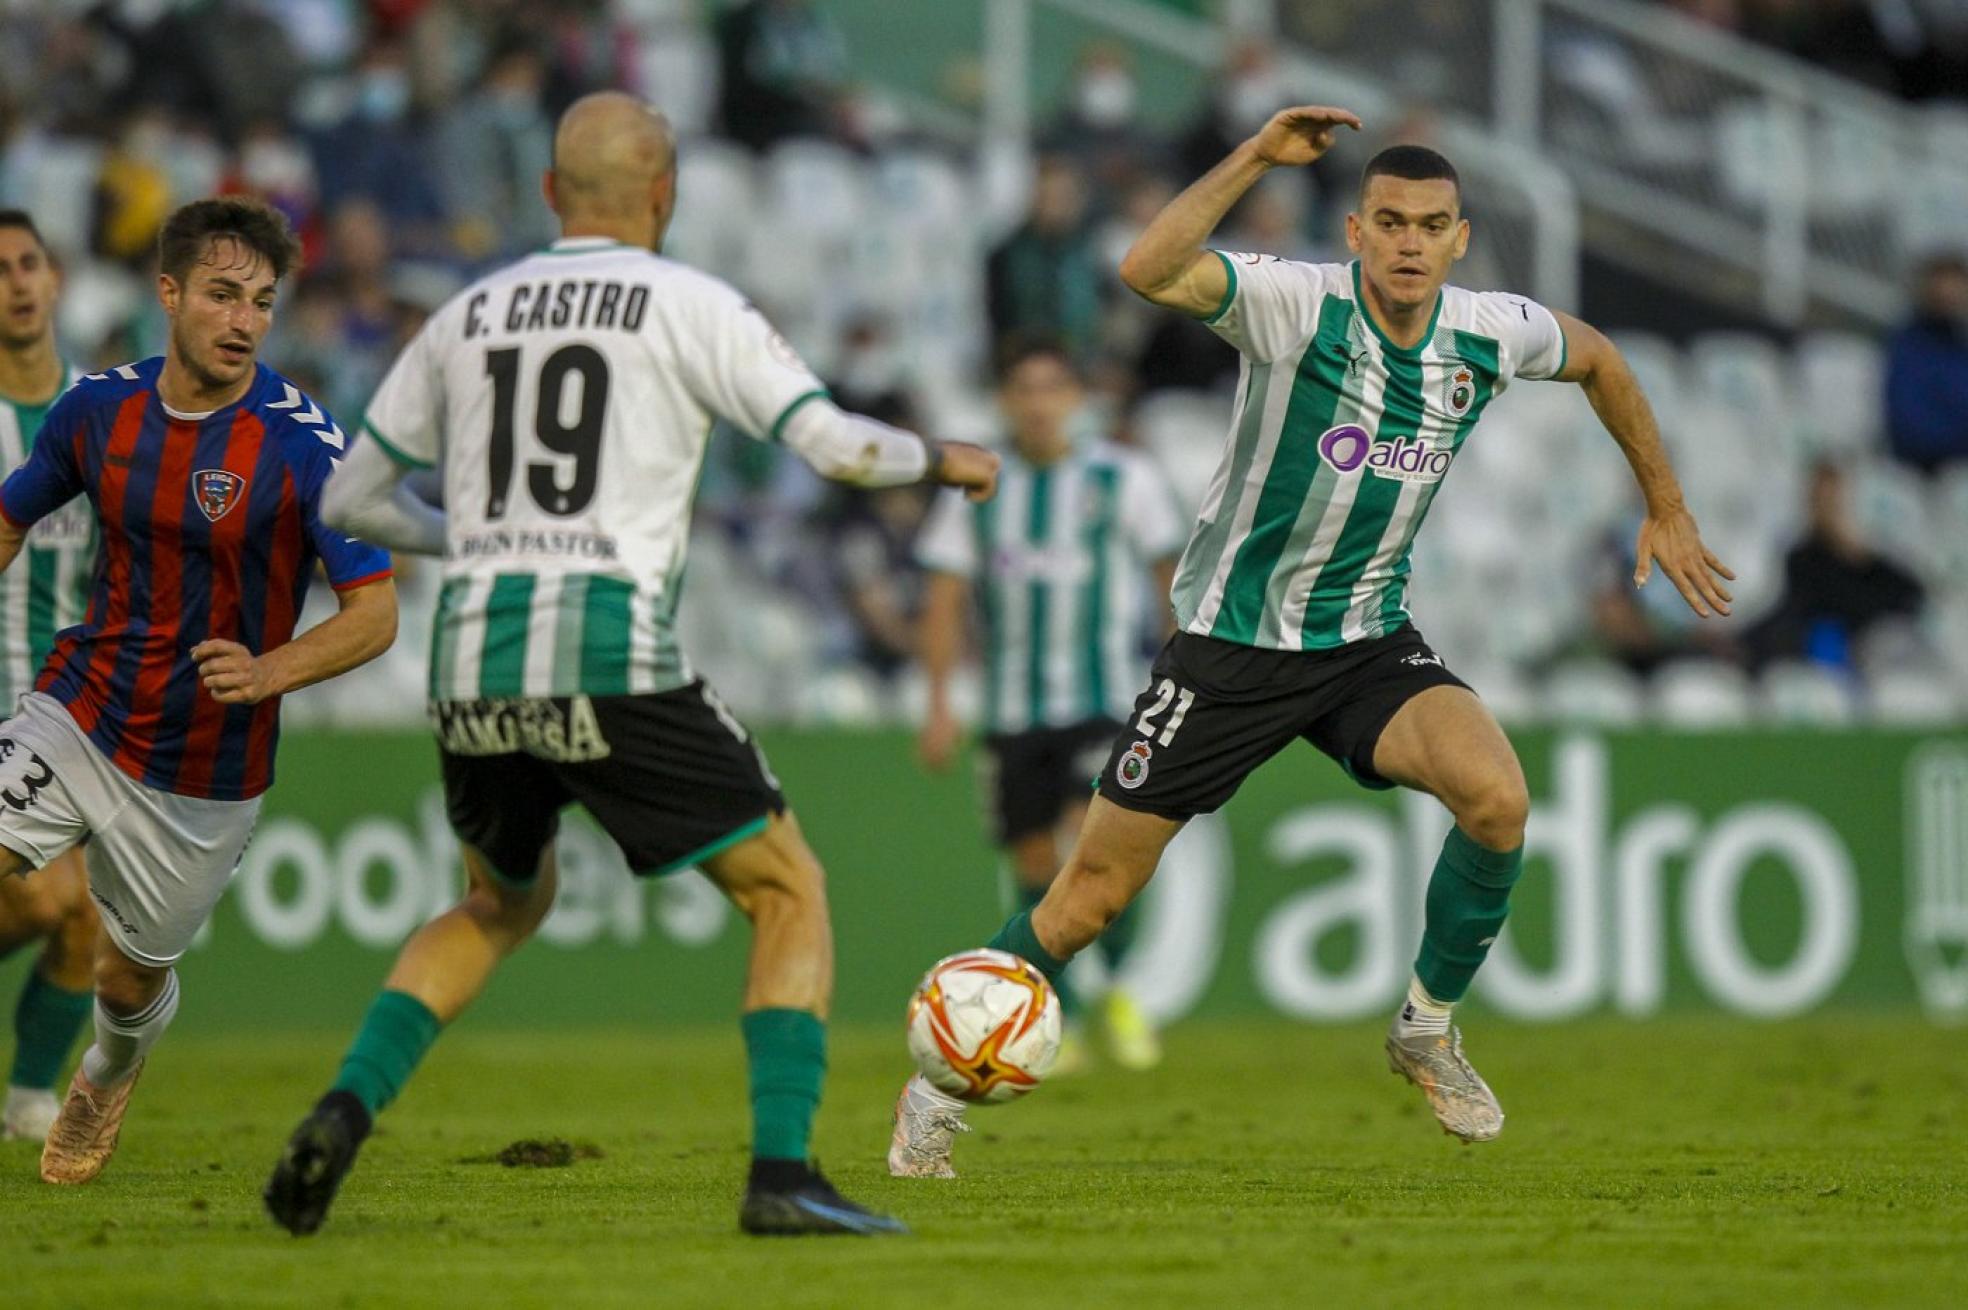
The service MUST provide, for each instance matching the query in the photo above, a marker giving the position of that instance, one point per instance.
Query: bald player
(568, 399)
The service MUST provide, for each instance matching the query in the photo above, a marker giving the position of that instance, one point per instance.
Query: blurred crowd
(405, 140)
(1913, 48)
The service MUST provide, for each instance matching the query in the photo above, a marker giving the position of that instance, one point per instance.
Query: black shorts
(1215, 710)
(1028, 778)
(670, 775)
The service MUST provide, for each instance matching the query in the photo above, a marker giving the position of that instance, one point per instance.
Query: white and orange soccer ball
(984, 1026)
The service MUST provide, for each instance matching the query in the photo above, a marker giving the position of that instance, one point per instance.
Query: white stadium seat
(1594, 692)
(1842, 374)
(1794, 692)
(1701, 694)
(822, 187)
(1914, 698)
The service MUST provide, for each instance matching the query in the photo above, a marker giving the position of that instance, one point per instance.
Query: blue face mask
(383, 96)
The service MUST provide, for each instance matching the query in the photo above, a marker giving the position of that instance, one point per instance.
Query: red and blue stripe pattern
(210, 529)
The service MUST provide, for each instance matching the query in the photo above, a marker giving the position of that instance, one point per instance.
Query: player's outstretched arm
(1668, 534)
(1168, 264)
(361, 630)
(366, 497)
(865, 452)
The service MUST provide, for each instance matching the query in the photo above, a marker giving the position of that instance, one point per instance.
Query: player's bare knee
(1495, 812)
(40, 914)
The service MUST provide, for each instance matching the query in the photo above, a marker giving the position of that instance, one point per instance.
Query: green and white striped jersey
(1338, 444)
(1059, 559)
(47, 589)
(569, 398)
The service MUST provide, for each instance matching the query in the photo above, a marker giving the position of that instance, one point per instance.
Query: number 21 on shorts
(1165, 692)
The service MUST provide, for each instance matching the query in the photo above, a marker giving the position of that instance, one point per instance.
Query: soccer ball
(984, 1026)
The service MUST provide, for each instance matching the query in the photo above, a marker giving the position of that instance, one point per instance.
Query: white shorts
(157, 861)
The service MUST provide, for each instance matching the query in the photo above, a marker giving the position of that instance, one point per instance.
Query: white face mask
(276, 168)
(1106, 97)
(384, 94)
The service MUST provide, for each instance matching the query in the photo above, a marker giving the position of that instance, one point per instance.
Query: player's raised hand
(960, 464)
(1297, 136)
(1676, 542)
(233, 674)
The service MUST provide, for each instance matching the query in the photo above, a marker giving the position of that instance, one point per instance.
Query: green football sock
(394, 1035)
(1069, 997)
(1468, 899)
(46, 1021)
(788, 1052)
(1018, 938)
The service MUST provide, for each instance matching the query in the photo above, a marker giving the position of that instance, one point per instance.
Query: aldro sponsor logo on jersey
(582, 304)
(1405, 459)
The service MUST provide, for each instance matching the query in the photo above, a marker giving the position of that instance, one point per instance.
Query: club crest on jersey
(217, 491)
(1132, 771)
(1405, 459)
(1459, 392)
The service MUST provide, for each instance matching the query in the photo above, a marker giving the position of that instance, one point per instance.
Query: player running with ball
(1359, 384)
(570, 398)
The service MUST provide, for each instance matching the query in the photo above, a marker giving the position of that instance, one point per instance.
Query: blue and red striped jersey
(210, 527)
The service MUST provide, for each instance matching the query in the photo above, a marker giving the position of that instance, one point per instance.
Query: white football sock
(1422, 1014)
(922, 1089)
(121, 1043)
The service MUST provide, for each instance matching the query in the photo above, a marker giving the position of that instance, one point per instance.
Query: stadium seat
(1890, 503)
(1594, 692)
(715, 182)
(1184, 431)
(60, 189)
(819, 186)
(923, 189)
(1657, 362)
(1794, 692)
(1844, 404)
(678, 64)
(1748, 374)
(1701, 694)
(1913, 698)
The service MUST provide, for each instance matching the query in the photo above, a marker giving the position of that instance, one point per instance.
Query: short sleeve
(406, 414)
(1533, 343)
(1154, 523)
(739, 367)
(347, 561)
(948, 540)
(50, 477)
(1271, 304)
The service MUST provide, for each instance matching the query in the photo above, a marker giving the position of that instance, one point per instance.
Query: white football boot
(926, 1124)
(1463, 1103)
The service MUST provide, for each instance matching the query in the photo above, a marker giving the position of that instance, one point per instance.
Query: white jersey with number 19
(569, 398)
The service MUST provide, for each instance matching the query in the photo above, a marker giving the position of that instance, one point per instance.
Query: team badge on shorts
(1132, 771)
(217, 491)
(1460, 393)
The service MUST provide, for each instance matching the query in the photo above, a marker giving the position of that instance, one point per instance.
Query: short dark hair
(258, 226)
(1020, 347)
(1415, 163)
(20, 218)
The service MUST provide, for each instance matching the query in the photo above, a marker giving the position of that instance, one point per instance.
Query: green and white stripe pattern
(47, 589)
(1293, 551)
(553, 634)
(1062, 586)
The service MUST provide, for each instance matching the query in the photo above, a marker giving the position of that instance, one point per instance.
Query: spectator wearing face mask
(1927, 370)
(378, 152)
(1100, 124)
(494, 146)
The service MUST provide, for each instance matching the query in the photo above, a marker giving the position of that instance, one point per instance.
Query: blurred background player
(1360, 383)
(570, 396)
(151, 731)
(1059, 561)
(37, 600)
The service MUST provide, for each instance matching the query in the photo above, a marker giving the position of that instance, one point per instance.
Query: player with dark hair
(37, 600)
(1360, 382)
(1059, 564)
(150, 732)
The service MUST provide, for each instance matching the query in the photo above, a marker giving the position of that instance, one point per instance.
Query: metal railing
(1529, 209)
(1701, 156)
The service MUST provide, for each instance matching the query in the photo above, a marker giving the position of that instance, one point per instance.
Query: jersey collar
(1387, 342)
(583, 245)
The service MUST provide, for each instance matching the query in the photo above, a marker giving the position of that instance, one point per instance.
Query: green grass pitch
(1685, 1162)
